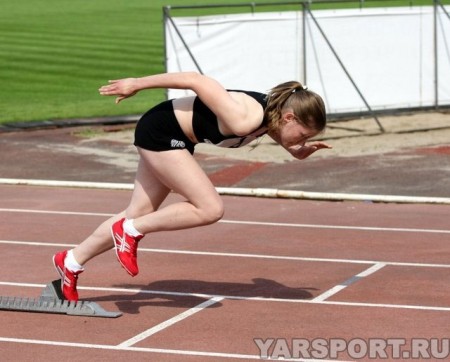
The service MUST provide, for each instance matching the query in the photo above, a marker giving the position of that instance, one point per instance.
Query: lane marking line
(150, 350)
(131, 349)
(170, 322)
(336, 289)
(256, 223)
(338, 227)
(295, 258)
(240, 255)
(251, 299)
(54, 212)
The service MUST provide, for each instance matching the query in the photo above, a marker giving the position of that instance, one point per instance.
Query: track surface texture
(273, 276)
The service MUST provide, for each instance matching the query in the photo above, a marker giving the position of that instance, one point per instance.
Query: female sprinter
(165, 138)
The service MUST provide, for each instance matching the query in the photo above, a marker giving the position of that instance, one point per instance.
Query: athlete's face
(292, 133)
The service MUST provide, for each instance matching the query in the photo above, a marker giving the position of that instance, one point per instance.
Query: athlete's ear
(288, 117)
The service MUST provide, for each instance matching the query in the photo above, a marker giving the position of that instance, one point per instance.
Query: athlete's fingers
(319, 144)
(107, 88)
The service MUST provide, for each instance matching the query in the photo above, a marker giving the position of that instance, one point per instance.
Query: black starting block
(52, 301)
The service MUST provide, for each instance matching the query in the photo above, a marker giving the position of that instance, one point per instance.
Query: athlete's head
(290, 104)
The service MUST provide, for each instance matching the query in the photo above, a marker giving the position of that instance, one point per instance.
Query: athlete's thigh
(179, 171)
(148, 193)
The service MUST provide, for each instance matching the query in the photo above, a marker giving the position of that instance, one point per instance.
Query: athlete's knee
(213, 211)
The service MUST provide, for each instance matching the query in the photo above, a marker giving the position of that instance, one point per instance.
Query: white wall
(387, 51)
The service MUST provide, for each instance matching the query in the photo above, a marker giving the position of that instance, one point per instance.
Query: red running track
(298, 272)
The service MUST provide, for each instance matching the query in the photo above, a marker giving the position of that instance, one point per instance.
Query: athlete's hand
(123, 88)
(303, 151)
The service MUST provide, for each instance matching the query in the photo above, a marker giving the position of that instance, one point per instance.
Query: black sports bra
(206, 127)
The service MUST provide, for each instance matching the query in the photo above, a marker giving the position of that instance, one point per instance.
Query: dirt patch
(349, 138)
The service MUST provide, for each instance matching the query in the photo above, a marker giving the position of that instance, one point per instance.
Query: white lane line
(295, 258)
(339, 227)
(150, 350)
(50, 212)
(354, 279)
(256, 223)
(235, 297)
(239, 255)
(37, 243)
(170, 322)
(131, 349)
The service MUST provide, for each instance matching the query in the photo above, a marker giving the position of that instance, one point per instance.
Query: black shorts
(159, 130)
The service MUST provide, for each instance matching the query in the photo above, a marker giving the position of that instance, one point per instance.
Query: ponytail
(308, 106)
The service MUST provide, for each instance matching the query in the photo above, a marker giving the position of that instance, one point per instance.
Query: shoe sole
(117, 255)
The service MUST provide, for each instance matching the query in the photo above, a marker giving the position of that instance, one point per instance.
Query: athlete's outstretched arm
(211, 92)
(127, 87)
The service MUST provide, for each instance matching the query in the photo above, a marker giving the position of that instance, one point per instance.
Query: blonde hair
(307, 106)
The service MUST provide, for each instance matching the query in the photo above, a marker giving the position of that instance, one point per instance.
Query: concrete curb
(249, 192)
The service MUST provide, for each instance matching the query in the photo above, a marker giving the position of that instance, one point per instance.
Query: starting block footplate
(51, 301)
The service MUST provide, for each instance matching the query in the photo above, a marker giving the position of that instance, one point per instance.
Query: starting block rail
(52, 301)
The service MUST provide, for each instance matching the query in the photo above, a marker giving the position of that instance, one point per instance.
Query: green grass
(55, 54)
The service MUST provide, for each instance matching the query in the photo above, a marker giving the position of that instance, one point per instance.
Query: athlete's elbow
(193, 75)
(196, 78)
(190, 79)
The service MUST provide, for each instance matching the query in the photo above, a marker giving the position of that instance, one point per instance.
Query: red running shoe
(126, 248)
(68, 278)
